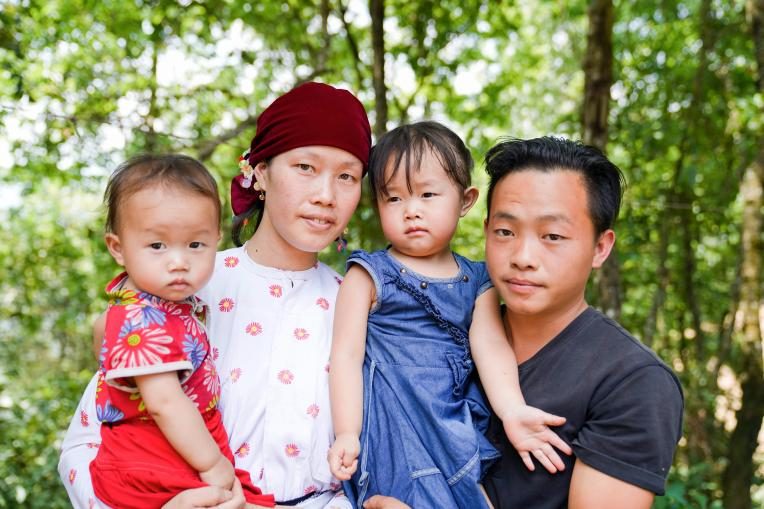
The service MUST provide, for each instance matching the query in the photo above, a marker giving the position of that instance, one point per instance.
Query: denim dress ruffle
(424, 418)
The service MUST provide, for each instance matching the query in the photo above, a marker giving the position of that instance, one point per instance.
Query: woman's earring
(257, 187)
(342, 243)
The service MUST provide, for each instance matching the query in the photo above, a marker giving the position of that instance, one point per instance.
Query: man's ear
(114, 246)
(469, 198)
(602, 248)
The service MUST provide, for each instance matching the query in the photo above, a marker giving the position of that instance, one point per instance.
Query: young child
(409, 321)
(158, 388)
(272, 304)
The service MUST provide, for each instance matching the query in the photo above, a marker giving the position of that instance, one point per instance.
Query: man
(551, 207)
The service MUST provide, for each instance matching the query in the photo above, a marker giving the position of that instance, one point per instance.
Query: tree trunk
(738, 475)
(377, 11)
(598, 78)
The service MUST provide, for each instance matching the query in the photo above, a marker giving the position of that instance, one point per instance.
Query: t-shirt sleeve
(633, 428)
(143, 343)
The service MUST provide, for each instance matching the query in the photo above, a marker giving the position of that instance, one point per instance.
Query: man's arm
(592, 489)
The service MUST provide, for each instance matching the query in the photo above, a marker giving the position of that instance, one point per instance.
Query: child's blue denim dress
(422, 439)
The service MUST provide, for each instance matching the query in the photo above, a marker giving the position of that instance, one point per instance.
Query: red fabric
(136, 467)
(310, 114)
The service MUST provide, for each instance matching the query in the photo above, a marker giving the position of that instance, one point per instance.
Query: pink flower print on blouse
(243, 450)
(84, 419)
(301, 334)
(285, 376)
(292, 450)
(235, 375)
(140, 347)
(215, 353)
(253, 328)
(276, 291)
(72, 476)
(262, 473)
(323, 303)
(91, 503)
(225, 305)
(231, 261)
(311, 489)
(313, 410)
(338, 279)
(327, 367)
(334, 485)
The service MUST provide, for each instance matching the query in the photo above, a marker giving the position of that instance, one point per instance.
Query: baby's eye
(195, 245)
(393, 199)
(428, 195)
(156, 245)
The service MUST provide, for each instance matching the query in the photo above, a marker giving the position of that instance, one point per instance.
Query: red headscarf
(310, 114)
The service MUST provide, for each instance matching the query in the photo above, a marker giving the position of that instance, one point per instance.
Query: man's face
(540, 243)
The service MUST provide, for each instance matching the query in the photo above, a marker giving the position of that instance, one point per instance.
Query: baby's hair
(141, 172)
(406, 145)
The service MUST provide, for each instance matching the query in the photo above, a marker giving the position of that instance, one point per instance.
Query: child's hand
(221, 474)
(343, 456)
(528, 430)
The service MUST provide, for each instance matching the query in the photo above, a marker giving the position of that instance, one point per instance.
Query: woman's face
(310, 195)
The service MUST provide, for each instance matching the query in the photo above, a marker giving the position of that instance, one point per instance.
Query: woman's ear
(469, 198)
(261, 175)
(114, 246)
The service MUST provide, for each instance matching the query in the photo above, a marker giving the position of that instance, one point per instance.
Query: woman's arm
(183, 426)
(354, 301)
(526, 427)
(78, 449)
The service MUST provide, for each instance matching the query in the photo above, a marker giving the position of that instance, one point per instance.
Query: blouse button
(466, 278)
(423, 285)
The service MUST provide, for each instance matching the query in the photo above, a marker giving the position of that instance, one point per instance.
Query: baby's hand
(221, 474)
(343, 456)
(528, 430)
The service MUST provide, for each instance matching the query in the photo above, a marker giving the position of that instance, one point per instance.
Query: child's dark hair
(171, 170)
(405, 146)
(603, 180)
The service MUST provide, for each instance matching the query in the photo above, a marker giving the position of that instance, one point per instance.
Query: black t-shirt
(623, 407)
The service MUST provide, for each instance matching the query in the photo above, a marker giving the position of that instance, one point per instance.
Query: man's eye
(503, 232)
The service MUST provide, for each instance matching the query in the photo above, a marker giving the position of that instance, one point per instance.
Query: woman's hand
(209, 496)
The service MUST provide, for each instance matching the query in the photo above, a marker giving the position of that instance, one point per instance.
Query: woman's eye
(304, 166)
(347, 177)
(554, 236)
(503, 232)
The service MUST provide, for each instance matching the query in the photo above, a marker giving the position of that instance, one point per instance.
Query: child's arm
(183, 426)
(525, 426)
(354, 300)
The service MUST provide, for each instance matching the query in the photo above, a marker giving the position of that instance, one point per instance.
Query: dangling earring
(342, 243)
(257, 187)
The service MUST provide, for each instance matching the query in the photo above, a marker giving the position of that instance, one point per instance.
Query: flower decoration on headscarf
(246, 169)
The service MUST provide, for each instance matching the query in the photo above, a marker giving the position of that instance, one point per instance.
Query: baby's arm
(354, 301)
(525, 426)
(183, 426)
